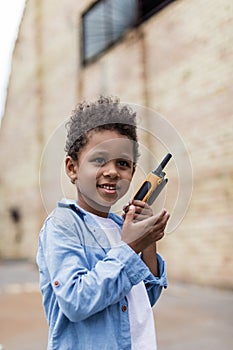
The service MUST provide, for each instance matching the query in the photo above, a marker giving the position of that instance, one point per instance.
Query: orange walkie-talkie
(153, 183)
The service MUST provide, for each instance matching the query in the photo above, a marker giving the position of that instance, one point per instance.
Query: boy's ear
(71, 168)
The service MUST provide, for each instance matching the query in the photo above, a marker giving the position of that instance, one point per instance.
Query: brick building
(173, 62)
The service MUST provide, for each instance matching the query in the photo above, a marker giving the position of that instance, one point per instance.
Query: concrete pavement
(187, 317)
(192, 318)
(22, 322)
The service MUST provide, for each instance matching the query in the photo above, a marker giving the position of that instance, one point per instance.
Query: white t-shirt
(141, 317)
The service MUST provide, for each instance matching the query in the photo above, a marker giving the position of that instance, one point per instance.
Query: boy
(97, 289)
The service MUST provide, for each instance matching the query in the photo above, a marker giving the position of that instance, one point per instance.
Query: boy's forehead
(110, 142)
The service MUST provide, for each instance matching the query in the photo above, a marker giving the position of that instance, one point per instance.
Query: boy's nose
(110, 170)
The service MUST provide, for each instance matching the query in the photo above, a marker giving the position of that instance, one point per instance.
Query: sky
(10, 15)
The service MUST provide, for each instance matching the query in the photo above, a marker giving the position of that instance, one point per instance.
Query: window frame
(140, 18)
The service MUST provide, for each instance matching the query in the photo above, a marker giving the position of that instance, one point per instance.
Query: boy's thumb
(130, 214)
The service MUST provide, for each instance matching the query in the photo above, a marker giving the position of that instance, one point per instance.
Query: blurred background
(173, 62)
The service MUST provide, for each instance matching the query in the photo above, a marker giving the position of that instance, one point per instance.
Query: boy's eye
(99, 161)
(124, 163)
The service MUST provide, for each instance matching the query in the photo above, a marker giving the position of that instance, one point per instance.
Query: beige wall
(179, 63)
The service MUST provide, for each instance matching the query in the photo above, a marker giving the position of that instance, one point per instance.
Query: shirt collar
(70, 203)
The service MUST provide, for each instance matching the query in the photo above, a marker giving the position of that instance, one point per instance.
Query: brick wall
(177, 64)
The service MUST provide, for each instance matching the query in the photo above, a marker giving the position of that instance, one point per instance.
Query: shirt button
(124, 308)
(56, 283)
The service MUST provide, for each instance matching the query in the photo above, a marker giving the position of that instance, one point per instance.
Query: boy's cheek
(123, 185)
(86, 186)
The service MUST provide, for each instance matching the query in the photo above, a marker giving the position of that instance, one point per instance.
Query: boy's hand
(142, 210)
(141, 234)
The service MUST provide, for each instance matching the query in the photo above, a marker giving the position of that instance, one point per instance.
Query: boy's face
(103, 171)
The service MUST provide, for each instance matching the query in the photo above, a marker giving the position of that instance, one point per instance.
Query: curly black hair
(106, 113)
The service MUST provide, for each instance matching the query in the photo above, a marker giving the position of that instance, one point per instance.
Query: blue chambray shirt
(84, 282)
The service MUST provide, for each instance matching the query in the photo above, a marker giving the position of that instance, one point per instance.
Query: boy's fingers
(161, 218)
(163, 215)
(161, 224)
(139, 203)
(129, 216)
(152, 220)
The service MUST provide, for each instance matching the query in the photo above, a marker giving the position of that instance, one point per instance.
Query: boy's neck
(90, 209)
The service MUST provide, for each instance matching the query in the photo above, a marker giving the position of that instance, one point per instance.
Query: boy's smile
(103, 171)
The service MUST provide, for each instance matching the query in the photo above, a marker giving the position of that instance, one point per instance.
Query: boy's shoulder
(65, 221)
(65, 214)
(69, 220)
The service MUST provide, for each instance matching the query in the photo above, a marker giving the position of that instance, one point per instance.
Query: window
(104, 23)
(107, 20)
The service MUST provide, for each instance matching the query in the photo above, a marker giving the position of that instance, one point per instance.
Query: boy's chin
(100, 205)
(106, 205)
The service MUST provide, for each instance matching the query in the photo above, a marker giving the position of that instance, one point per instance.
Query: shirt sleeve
(83, 290)
(154, 285)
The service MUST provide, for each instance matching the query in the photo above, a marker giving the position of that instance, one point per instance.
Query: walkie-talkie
(153, 183)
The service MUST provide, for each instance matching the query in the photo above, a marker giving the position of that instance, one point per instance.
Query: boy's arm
(155, 284)
(158, 278)
(149, 254)
(150, 259)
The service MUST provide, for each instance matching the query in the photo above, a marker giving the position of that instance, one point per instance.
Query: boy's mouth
(109, 188)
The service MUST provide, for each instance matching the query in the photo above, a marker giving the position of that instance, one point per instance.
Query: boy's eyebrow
(126, 156)
(97, 152)
(106, 154)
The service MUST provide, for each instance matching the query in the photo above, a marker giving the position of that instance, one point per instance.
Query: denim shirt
(84, 282)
